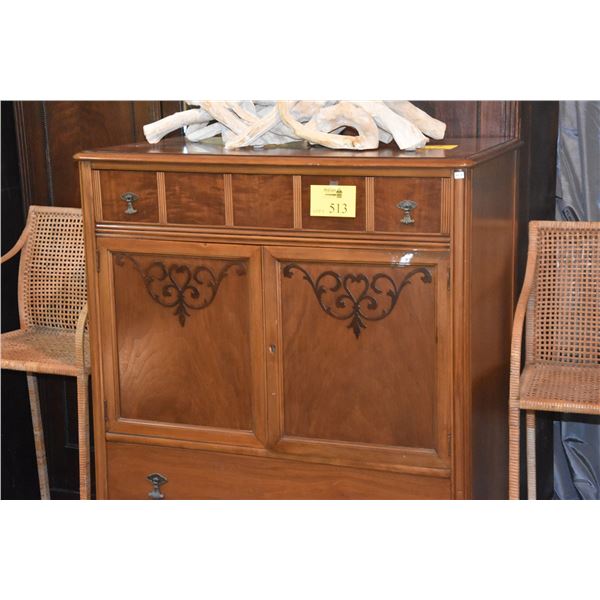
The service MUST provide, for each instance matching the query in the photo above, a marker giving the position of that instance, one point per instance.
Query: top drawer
(387, 205)
(409, 204)
(129, 196)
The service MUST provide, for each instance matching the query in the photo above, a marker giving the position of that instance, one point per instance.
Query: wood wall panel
(50, 133)
(475, 118)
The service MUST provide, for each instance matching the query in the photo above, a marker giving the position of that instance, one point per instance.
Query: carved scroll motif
(355, 296)
(180, 286)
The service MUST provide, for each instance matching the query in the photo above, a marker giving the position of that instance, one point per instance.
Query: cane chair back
(563, 313)
(52, 283)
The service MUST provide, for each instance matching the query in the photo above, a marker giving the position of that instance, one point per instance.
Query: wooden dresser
(243, 348)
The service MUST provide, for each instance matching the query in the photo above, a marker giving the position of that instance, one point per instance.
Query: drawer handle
(156, 479)
(407, 206)
(130, 198)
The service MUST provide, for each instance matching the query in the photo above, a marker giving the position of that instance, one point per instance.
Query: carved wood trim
(346, 304)
(180, 286)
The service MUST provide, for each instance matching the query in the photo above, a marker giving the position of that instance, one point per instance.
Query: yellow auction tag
(333, 201)
(434, 147)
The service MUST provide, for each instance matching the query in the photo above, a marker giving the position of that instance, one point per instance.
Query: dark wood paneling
(461, 118)
(205, 475)
(19, 475)
(195, 198)
(475, 118)
(50, 133)
(113, 184)
(498, 119)
(263, 201)
(537, 201)
(33, 152)
(426, 192)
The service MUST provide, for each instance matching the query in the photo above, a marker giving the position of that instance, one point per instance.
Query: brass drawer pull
(407, 206)
(130, 198)
(156, 479)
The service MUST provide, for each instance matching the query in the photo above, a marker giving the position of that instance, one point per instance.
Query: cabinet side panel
(491, 298)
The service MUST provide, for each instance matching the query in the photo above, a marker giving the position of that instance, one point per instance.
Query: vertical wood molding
(96, 195)
(370, 203)
(31, 147)
(162, 197)
(446, 206)
(228, 193)
(297, 200)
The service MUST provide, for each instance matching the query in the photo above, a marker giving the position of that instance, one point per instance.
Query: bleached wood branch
(428, 125)
(156, 131)
(267, 122)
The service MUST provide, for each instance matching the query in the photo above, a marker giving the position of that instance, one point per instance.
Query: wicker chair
(53, 315)
(560, 303)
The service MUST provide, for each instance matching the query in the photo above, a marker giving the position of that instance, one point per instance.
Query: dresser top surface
(468, 152)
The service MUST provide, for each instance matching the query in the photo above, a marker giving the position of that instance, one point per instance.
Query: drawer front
(387, 205)
(195, 198)
(263, 201)
(193, 474)
(129, 196)
(357, 223)
(409, 204)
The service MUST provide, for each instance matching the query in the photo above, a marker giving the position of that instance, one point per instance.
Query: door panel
(187, 341)
(360, 339)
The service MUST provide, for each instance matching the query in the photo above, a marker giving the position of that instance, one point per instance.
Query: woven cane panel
(551, 387)
(566, 306)
(54, 285)
(43, 350)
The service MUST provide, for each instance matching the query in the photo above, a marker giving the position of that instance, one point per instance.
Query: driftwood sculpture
(267, 122)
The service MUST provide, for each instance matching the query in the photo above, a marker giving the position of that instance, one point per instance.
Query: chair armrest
(519, 318)
(80, 337)
(515, 347)
(17, 247)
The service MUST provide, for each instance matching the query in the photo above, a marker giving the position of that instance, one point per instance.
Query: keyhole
(272, 348)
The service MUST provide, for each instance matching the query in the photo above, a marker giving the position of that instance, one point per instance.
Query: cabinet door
(182, 339)
(359, 362)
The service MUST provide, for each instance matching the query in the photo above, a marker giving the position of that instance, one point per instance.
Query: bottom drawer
(194, 474)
